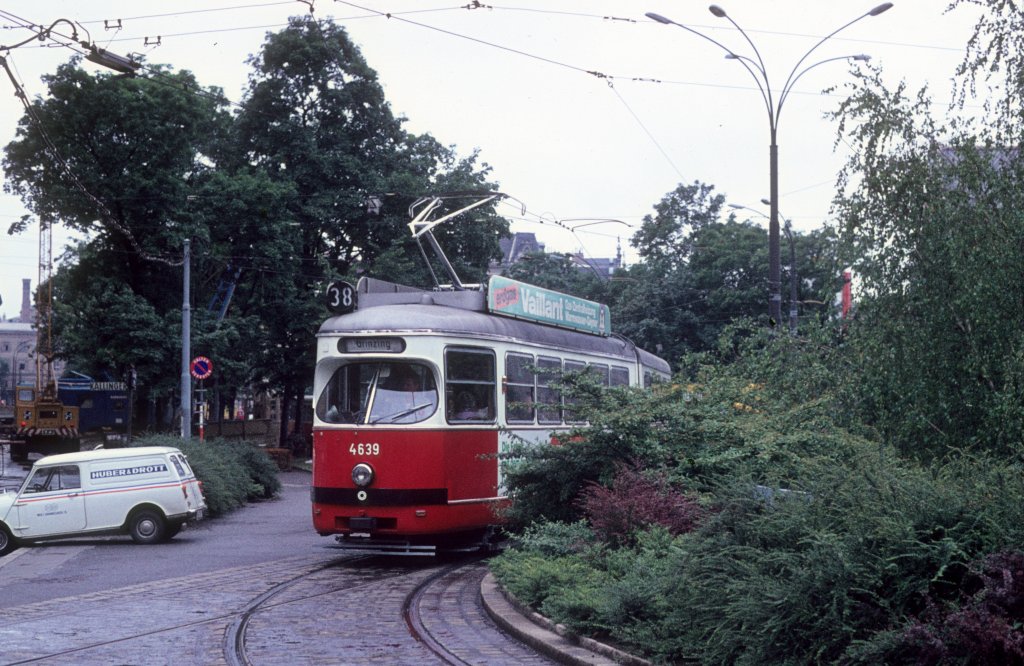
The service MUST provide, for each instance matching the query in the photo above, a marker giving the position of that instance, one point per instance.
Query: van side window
(519, 397)
(469, 384)
(48, 479)
(70, 477)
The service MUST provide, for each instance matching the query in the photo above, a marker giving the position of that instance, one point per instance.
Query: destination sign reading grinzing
(525, 301)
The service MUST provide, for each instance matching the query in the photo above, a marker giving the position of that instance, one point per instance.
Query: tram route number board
(341, 297)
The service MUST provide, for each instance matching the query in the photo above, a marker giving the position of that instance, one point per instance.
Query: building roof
(16, 327)
(513, 248)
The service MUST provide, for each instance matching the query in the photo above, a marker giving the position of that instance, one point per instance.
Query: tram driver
(405, 395)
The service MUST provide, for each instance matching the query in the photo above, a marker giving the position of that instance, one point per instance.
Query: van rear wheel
(147, 526)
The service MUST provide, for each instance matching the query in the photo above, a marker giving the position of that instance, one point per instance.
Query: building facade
(18, 347)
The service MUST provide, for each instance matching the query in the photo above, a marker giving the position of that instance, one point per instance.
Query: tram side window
(519, 388)
(469, 385)
(572, 415)
(651, 378)
(620, 376)
(549, 396)
(600, 372)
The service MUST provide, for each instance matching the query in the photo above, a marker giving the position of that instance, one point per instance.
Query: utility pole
(792, 279)
(186, 352)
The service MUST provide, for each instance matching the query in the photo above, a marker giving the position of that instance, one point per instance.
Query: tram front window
(378, 392)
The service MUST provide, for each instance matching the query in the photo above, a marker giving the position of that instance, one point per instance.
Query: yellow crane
(45, 424)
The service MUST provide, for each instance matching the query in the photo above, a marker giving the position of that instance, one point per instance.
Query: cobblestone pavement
(321, 609)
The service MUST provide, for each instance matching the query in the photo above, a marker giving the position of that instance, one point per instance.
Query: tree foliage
(935, 223)
(274, 198)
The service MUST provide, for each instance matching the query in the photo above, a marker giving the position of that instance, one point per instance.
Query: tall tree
(118, 158)
(316, 121)
(932, 214)
(995, 57)
(698, 274)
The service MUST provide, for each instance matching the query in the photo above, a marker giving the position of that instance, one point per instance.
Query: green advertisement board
(525, 301)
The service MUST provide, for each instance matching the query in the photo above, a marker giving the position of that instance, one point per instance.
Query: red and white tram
(416, 392)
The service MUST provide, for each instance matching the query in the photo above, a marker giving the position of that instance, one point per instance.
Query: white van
(147, 492)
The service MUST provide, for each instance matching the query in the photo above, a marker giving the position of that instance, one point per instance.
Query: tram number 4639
(364, 449)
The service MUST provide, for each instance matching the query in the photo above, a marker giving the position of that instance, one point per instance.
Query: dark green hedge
(233, 472)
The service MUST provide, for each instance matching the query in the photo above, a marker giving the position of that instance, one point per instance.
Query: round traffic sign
(201, 367)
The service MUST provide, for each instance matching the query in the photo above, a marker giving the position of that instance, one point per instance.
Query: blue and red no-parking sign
(201, 367)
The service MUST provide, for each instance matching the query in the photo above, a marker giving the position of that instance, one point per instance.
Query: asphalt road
(257, 586)
(267, 531)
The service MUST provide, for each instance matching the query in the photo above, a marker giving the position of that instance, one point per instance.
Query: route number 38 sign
(341, 297)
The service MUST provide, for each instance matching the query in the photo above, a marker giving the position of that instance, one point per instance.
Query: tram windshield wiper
(405, 412)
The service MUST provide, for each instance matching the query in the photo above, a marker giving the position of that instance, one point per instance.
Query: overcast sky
(584, 109)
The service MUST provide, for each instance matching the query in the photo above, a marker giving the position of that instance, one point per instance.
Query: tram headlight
(362, 475)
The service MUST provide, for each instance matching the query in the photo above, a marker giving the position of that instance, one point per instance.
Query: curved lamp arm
(793, 76)
(720, 13)
(863, 57)
(763, 87)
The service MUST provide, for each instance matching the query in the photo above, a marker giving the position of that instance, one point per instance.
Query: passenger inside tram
(467, 408)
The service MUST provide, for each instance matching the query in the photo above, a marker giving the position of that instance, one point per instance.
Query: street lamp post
(757, 70)
(788, 228)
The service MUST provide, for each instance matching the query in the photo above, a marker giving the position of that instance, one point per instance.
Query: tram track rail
(70, 652)
(368, 606)
(414, 619)
(234, 637)
(234, 643)
(235, 650)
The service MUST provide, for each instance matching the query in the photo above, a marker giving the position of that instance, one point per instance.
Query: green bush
(532, 579)
(232, 472)
(819, 546)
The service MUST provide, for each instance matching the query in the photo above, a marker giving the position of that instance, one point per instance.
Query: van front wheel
(147, 526)
(7, 542)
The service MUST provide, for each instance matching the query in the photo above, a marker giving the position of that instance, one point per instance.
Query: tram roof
(427, 316)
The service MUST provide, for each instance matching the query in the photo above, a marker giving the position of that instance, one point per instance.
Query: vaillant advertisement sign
(525, 301)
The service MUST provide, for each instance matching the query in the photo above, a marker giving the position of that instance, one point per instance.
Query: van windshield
(382, 392)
